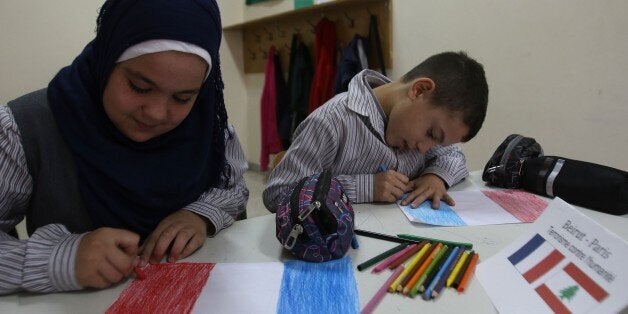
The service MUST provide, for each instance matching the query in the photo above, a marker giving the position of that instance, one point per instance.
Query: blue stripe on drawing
(443, 216)
(318, 288)
(526, 250)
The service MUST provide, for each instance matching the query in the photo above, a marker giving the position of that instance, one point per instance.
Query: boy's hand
(179, 235)
(389, 186)
(428, 186)
(105, 256)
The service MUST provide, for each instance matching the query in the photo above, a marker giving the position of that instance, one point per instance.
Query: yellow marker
(456, 270)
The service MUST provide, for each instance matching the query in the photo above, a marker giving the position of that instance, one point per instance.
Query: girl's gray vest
(55, 197)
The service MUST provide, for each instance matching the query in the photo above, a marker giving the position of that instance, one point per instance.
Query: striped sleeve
(447, 162)
(313, 146)
(222, 206)
(44, 262)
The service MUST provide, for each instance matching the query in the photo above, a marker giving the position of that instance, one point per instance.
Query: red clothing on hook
(271, 142)
(322, 88)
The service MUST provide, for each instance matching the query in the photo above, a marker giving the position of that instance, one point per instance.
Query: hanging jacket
(299, 81)
(271, 142)
(323, 80)
(354, 59)
(283, 104)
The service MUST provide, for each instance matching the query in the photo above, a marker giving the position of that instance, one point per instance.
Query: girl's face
(150, 95)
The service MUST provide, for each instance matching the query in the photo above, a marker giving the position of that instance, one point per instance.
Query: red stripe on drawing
(587, 283)
(167, 288)
(523, 205)
(544, 266)
(551, 300)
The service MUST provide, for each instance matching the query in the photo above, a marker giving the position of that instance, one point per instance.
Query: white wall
(556, 68)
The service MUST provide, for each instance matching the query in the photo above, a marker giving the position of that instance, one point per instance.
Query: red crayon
(139, 273)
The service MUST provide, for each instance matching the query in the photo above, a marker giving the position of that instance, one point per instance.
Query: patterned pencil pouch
(314, 220)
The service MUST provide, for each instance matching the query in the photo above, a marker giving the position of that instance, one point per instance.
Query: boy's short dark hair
(460, 86)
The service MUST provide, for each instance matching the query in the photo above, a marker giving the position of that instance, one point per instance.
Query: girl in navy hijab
(133, 159)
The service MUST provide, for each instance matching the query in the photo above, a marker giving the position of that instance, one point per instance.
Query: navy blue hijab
(130, 185)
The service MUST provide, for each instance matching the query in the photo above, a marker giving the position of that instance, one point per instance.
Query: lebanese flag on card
(571, 291)
(560, 283)
(273, 287)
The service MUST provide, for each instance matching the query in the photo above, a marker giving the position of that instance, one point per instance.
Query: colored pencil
(443, 268)
(422, 255)
(426, 262)
(379, 295)
(467, 274)
(449, 243)
(463, 269)
(435, 269)
(415, 289)
(381, 266)
(439, 281)
(380, 257)
(454, 273)
(406, 255)
(382, 236)
(406, 271)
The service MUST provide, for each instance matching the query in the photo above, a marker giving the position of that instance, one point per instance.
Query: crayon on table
(381, 256)
(426, 262)
(449, 243)
(457, 267)
(415, 289)
(435, 270)
(422, 255)
(463, 269)
(450, 269)
(139, 273)
(407, 255)
(406, 271)
(441, 275)
(381, 266)
(382, 236)
(370, 306)
(468, 273)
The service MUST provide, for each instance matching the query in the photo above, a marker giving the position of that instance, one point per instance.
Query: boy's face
(417, 124)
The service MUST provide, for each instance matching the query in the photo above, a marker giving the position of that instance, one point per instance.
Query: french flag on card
(564, 288)
(273, 287)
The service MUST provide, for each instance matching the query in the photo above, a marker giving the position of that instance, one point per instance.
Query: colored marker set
(422, 268)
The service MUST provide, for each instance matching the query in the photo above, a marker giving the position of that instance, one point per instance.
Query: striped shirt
(45, 261)
(347, 136)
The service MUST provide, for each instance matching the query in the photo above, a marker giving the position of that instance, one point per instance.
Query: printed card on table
(565, 263)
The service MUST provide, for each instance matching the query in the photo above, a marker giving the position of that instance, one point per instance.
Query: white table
(253, 240)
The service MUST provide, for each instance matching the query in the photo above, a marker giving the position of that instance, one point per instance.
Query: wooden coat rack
(350, 17)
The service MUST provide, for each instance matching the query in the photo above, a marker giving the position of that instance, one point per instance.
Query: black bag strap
(374, 35)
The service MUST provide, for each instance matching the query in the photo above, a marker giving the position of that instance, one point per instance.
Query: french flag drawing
(560, 283)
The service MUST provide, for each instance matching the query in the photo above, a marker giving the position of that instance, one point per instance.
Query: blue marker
(383, 167)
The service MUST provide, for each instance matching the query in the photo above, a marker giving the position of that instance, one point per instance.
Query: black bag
(578, 182)
(519, 163)
(504, 167)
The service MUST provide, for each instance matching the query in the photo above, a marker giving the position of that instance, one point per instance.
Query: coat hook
(269, 33)
(252, 54)
(313, 26)
(264, 53)
(368, 10)
(351, 22)
(280, 32)
(257, 36)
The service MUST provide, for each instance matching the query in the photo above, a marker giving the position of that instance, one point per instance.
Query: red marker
(139, 273)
